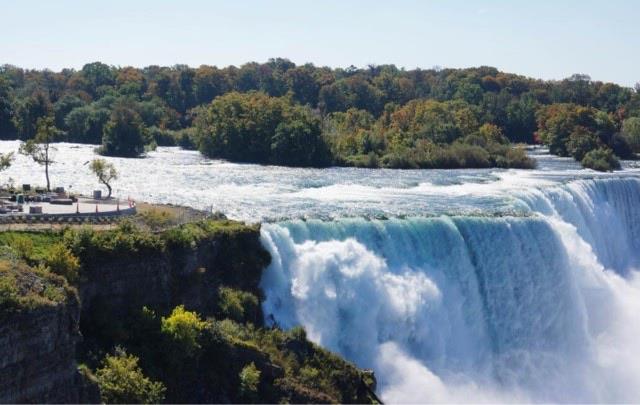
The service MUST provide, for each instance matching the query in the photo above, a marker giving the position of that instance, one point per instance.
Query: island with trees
(304, 115)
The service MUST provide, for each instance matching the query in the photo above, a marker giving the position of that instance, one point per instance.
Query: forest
(281, 113)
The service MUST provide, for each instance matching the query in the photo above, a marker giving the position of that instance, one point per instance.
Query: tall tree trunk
(46, 173)
(46, 165)
(108, 188)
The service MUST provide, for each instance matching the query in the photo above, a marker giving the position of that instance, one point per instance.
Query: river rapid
(453, 285)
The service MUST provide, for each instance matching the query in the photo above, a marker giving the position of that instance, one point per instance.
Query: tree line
(304, 115)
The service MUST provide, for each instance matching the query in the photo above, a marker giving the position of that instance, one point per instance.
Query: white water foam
(468, 309)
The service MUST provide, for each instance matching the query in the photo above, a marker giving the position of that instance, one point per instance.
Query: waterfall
(544, 307)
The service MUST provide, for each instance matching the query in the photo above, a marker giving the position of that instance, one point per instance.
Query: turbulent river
(453, 285)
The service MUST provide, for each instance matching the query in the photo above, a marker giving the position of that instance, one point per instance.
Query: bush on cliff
(121, 381)
(125, 241)
(197, 360)
(61, 261)
(184, 328)
(249, 380)
(25, 288)
(241, 306)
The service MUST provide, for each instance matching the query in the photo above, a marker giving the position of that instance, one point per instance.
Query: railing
(67, 218)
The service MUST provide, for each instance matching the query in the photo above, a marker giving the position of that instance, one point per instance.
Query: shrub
(121, 381)
(23, 245)
(8, 291)
(184, 327)
(90, 245)
(238, 305)
(62, 262)
(156, 218)
(601, 159)
(24, 287)
(309, 376)
(249, 380)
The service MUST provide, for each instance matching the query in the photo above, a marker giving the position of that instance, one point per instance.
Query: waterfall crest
(534, 308)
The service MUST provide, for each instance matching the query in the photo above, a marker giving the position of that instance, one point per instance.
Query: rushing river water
(453, 285)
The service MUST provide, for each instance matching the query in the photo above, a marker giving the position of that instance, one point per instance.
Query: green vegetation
(184, 328)
(105, 172)
(124, 134)
(280, 113)
(27, 288)
(31, 246)
(238, 305)
(240, 362)
(421, 134)
(254, 127)
(121, 381)
(212, 349)
(39, 148)
(589, 135)
(601, 159)
(127, 240)
(631, 130)
(249, 380)
(61, 261)
(191, 233)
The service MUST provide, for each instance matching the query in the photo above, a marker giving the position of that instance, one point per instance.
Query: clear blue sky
(544, 39)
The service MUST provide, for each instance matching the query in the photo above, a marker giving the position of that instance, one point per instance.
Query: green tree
(97, 75)
(492, 133)
(5, 160)
(63, 107)
(29, 112)
(85, 124)
(7, 126)
(105, 172)
(121, 381)
(581, 141)
(254, 127)
(298, 140)
(39, 149)
(631, 130)
(124, 134)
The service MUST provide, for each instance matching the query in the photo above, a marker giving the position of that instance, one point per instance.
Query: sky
(541, 39)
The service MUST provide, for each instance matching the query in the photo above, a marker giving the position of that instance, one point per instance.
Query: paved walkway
(83, 206)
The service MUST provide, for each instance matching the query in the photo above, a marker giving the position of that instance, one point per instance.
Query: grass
(34, 246)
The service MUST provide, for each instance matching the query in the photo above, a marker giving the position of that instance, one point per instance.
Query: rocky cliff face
(46, 326)
(178, 275)
(37, 353)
